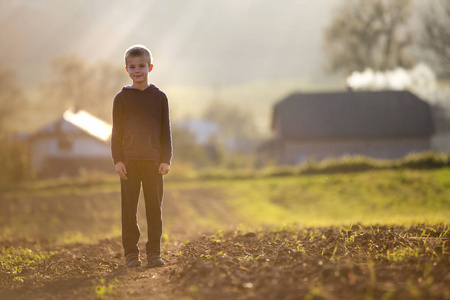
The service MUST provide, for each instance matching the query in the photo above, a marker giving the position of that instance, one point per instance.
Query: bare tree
(91, 87)
(369, 34)
(436, 36)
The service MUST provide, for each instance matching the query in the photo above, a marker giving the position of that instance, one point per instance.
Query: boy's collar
(151, 85)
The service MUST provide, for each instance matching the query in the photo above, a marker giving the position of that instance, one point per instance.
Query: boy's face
(138, 68)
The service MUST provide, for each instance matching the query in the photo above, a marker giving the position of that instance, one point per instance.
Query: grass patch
(386, 196)
(60, 218)
(103, 290)
(94, 182)
(17, 261)
(69, 214)
(350, 164)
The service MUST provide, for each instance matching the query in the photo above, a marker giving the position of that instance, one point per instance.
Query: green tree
(11, 99)
(435, 38)
(369, 34)
(186, 149)
(14, 154)
(235, 124)
(15, 160)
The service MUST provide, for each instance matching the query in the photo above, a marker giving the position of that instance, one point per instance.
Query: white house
(77, 141)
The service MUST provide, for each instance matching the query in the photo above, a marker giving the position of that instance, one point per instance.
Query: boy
(141, 147)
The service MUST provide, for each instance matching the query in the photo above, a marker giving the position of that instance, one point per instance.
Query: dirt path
(86, 271)
(308, 263)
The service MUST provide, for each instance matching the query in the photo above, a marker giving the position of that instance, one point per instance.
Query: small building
(441, 117)
(74, 143)
(377, 124)
(202, 130)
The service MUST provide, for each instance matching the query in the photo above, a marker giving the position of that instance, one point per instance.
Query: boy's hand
(121, 170)
(164, 168)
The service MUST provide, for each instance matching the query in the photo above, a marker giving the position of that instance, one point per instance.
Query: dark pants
(145, 172)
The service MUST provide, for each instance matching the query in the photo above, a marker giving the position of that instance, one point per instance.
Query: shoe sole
(134, 264)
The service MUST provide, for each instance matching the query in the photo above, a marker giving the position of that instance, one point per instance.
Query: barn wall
(86, 146)
(294, 152)
(42, 148)
(441, 142)
(58, 166)
(83, 150)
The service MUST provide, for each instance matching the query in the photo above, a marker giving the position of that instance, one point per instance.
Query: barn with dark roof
(378, 124)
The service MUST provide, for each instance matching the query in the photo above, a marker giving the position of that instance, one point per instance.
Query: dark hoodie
(141, 126)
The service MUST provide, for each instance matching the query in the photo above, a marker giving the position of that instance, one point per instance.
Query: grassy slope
(84, 210)
(389, 196)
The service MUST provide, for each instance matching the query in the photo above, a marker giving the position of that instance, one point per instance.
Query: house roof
(75, 121)
(352, 114)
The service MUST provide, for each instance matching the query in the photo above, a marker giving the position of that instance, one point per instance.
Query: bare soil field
(354, 262)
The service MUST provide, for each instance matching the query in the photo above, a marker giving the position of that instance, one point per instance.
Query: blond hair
(138, 50)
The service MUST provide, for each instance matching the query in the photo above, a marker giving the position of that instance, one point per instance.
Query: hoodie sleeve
(166, 135)
(117, 130)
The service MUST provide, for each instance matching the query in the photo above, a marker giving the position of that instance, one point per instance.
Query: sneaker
(132, 260)
(155, 261)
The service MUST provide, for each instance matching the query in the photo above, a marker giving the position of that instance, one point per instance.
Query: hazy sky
(239, 51)
(194, 42)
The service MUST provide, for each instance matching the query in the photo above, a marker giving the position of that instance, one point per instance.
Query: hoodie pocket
(152, 144)
(127, 143)
(139, 143)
